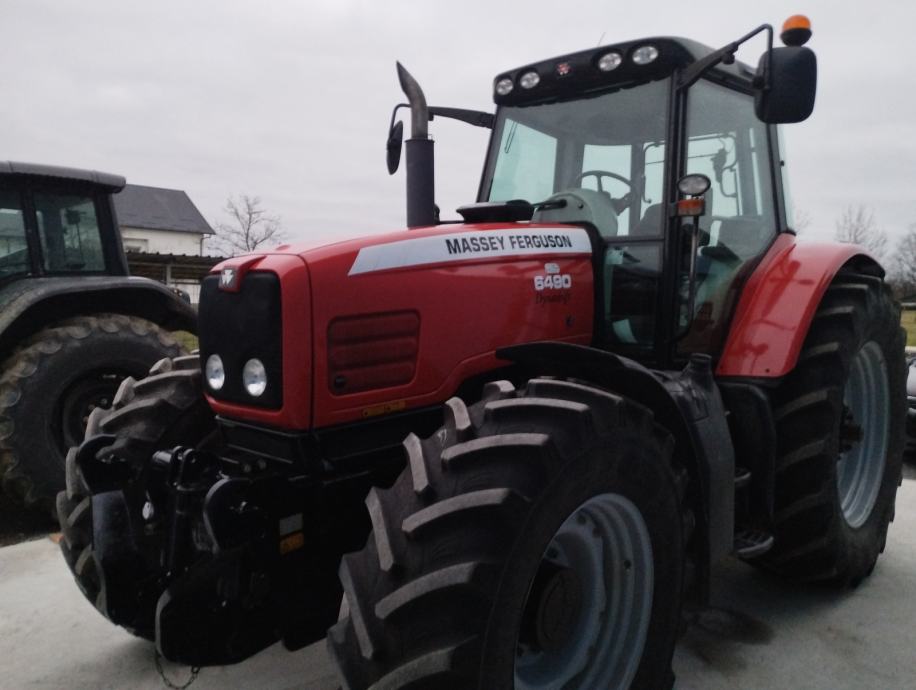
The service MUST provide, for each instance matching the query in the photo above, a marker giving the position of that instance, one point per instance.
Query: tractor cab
(602, 137)
(57, 222)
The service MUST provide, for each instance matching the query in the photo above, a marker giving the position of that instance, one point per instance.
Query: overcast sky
(290, 100)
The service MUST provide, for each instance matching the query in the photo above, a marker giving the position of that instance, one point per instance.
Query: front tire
(161, 411)
(51, 384)
(840, 418)
(482, 572)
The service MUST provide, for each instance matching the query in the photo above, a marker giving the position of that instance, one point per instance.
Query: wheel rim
(864, 434)
(81, 398)
(587, 614)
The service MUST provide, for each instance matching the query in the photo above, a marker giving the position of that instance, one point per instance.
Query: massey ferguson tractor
(505, 452)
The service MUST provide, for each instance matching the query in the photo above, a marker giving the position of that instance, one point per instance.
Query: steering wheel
(598, 174)
(619, 203)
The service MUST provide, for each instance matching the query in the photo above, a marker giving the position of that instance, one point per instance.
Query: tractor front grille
(239, 326)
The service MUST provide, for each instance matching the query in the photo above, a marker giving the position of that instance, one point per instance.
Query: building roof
(155, 208)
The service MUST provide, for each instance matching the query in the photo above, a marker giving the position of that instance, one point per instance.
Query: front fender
(778, 303)
(687, 403)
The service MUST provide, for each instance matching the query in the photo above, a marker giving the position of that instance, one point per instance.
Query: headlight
(504, 86)
(254, 377)
(645, 54)
(214, 372)
(609, 61)
(529, 80)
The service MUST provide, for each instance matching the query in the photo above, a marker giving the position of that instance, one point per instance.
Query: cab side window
(728, 144)
(14, 249)
(69, 232)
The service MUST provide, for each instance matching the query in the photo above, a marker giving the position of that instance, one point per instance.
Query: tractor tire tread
(446, 522)
(813, 542)
(18, 480)
(141, 421)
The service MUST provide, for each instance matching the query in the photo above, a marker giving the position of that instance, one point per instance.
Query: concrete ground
(762, 634)
(17, 525)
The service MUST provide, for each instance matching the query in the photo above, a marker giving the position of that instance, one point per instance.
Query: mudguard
(778, 303)
(28, 305)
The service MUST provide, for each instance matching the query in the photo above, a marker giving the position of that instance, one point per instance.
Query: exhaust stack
(421, 204)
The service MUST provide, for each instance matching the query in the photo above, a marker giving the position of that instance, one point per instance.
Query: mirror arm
(478, 118)
(689, 76)
(394, 114)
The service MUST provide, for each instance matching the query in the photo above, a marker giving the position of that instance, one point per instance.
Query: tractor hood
(387, 323)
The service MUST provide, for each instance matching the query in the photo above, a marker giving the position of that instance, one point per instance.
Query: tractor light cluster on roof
(504, 86)
(610, 61)
(605, 62)
(644, 55)
(529, 80)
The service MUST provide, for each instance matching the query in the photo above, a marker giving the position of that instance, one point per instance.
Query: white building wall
(193, 289)
(161, 241)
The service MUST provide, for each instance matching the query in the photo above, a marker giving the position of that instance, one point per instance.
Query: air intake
(373, 351)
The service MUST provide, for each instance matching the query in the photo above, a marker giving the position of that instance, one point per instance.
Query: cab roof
(578, 73)
(17, 170)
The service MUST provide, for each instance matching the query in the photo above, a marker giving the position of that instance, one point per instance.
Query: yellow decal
(291, 543)
(385, 408)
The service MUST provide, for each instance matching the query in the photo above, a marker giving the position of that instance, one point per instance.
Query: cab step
(751, 543)
(742, 477)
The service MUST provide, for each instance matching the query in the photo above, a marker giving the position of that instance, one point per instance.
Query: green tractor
(73, 323)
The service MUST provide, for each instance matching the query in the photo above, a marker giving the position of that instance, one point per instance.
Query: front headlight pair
(254, 375)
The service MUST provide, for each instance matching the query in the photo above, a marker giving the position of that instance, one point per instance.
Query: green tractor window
(69, 231)
(14, 249)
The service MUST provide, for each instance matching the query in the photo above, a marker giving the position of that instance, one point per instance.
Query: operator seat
(581, 206)
(650, 223)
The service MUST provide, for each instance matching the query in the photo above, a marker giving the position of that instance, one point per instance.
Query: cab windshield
(610, 145)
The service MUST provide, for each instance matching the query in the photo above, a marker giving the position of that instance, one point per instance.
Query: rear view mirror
(393, 146)
(792, 82)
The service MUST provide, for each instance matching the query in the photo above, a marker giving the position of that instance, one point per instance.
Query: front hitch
(220, 560)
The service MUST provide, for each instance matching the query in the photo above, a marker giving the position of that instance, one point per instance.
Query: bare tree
(857, 226)
(904, 269)
(249, 226)
(801, 221)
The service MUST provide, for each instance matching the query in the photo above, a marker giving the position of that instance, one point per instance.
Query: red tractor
(507, 452)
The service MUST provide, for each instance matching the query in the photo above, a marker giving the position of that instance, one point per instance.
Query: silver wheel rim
(606, 544)
(861, 467)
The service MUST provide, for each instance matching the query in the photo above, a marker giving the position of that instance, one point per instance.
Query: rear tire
(471, 572)
(50, 385)
(157, 413)
(833, 506)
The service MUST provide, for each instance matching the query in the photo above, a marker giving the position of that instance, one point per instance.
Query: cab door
(726, 142)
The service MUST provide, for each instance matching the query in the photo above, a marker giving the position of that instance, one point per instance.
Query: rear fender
(778, 303)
